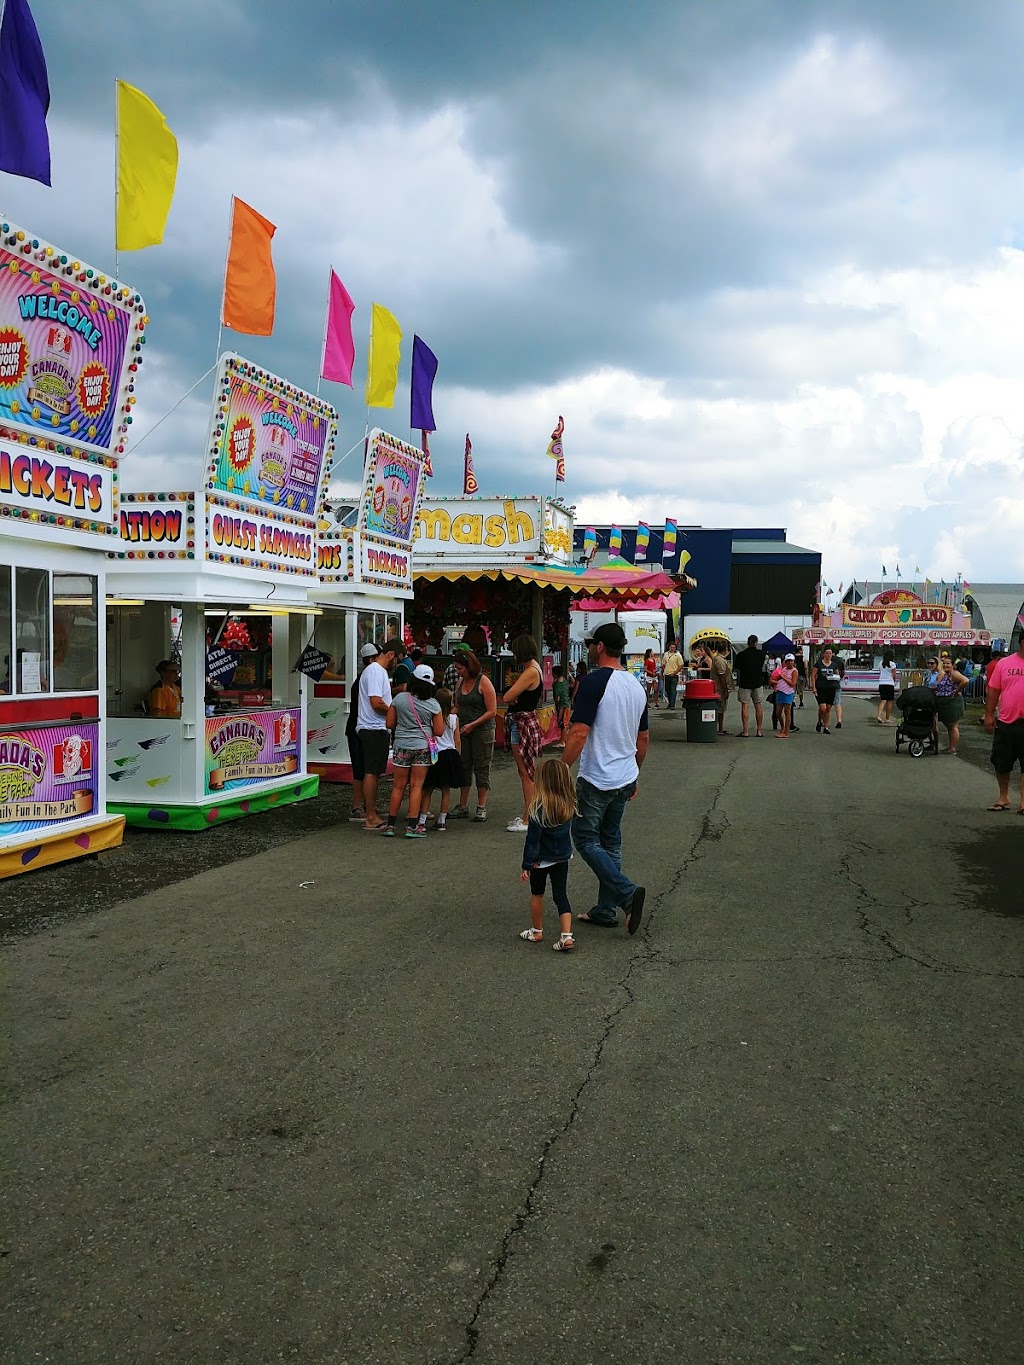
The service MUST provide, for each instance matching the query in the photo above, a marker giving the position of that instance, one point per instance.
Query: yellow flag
(147, 164)
(382, 364)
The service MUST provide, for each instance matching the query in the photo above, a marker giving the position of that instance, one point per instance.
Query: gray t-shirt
(409, 735)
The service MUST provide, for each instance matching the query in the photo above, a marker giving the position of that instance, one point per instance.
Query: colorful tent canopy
(667, 602)
(609, 582)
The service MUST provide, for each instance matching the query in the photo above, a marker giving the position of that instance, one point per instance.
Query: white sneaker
(517, 826)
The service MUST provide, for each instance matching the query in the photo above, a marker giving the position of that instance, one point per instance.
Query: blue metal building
(748, 571)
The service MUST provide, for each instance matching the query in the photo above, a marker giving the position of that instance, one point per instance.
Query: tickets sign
(236, 534)
(65, 485)
(67, 337)
(383, 563)
(270, 443)
(47, 776)
(251, 748)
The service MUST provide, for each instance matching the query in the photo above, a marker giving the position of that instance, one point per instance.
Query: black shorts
(886, 692)
(376, 745)
(1008, 746)
(355, 756)
(825, 696)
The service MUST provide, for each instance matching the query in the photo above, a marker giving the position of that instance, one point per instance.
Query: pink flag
(339, 348)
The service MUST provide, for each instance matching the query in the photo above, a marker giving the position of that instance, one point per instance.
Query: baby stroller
(919, 709)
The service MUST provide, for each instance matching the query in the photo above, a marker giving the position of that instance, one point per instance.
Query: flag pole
(227, 256)
(117, 164)
(327, 321)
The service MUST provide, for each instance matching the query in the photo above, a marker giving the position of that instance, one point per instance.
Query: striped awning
(622, 581)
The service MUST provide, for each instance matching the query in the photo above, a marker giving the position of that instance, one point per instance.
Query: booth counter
(897, 622)
(228, 752)
(70, 349)
(218, 581)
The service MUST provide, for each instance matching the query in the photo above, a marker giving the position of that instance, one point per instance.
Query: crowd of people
(441, 739)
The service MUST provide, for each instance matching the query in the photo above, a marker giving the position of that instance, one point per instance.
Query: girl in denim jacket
(549, 848)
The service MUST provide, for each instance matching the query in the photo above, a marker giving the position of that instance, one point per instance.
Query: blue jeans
(597, 834)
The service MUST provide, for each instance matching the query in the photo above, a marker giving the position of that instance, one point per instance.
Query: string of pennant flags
(946, 594)
(147, 167)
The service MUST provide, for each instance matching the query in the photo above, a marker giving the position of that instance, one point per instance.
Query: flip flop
(1003, 805)
(584, 918)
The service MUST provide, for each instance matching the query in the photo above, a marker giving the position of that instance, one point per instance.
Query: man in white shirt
(374, 698)
(609, 735)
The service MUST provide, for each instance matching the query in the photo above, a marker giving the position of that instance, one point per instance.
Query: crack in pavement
(713, 826)
(871, 928)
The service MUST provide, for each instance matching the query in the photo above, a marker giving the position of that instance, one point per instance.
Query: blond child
(549, 848)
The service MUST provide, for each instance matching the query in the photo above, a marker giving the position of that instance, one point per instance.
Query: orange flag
(250, 285)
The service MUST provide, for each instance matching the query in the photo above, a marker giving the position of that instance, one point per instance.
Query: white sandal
(532, 935)
(566, 943)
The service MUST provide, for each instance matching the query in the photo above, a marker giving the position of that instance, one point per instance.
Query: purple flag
(24, 96)
(424, 371)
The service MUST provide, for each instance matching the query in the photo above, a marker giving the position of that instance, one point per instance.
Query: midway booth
(71, 344)
(896, 621)
(502, 567)
(217, 583)
(364, 582)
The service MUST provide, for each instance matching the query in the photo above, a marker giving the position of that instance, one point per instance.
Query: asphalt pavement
(321, 1103)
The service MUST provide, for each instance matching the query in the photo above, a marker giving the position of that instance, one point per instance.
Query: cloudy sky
(766, 256)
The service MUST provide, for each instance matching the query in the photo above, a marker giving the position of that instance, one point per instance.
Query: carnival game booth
(504, 567)
(70, 349)
(896, 621)
(364, 582)
(220, 579)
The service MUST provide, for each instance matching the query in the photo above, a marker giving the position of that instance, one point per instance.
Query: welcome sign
(70, 346)
(392, 489)
(270, 442)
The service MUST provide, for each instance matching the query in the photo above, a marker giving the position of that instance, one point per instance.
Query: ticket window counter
(341, 632)
(232, 750)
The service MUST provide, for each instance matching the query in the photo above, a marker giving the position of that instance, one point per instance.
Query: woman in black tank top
(522, 700)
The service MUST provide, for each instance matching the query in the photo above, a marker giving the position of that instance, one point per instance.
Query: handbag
(432, 748)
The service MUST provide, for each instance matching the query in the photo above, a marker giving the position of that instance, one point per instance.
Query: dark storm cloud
(616, 133)
(649, 190)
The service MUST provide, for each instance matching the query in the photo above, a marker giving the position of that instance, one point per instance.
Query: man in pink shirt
(1006, 692)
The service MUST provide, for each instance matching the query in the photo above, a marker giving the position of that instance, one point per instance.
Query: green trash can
(700, 702)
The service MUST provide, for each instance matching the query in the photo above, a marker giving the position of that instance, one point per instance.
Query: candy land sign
(251, 748)
(70, 345)
(392, 489)
(47, 776)
(270, 443)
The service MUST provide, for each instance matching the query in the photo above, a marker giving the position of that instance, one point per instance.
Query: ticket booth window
(32, 616)
(5, 628)
(76, 658)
